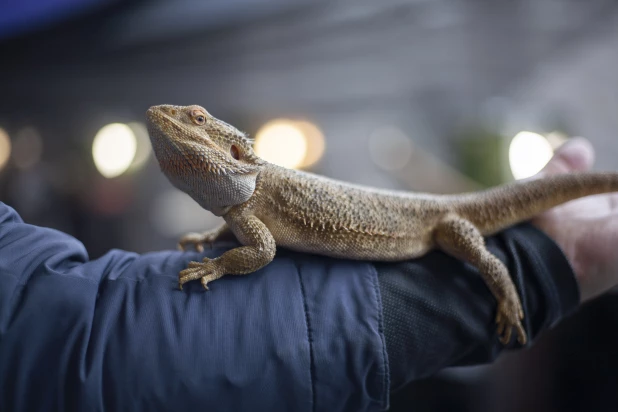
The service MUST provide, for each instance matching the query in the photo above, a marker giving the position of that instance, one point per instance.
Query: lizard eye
(199, 119)
(235, 152)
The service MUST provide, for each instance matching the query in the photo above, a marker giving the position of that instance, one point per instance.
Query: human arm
(438, 313)
(115, 333)
(304, 333)
(584, 231)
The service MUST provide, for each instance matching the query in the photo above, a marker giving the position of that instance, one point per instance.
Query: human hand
(586, 229)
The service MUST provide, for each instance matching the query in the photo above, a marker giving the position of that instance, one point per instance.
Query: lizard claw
(184, 246)
(206, 279)
(197, 270)
(197, 240)
(509, 316)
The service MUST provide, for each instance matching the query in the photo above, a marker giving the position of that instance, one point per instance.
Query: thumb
(576, 155)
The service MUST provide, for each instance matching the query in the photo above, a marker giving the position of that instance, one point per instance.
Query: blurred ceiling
(425, 65)
(372, 49)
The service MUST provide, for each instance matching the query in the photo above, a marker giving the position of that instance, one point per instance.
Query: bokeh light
(556, 139)
(281, 142)
(27, 148)
(5, 148)
(113, 149)
(390, 148)
(315, 142)
(143, 149)
(528, 153)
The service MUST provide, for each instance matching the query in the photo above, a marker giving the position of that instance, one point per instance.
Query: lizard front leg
(259, 250)
(462, 239)
(198, 240)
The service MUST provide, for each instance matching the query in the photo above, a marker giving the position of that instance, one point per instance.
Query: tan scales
(266, 206)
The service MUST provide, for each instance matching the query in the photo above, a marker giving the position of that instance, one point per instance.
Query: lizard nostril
(173, 112)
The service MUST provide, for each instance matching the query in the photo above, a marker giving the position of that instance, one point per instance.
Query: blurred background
(441, 96)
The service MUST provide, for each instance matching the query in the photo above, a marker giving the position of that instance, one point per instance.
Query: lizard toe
(191, 239)
(191, 273)
(505, 337)
(209, 278)
(521, 334)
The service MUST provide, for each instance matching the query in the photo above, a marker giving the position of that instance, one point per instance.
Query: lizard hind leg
(461, 239)
(198, 240)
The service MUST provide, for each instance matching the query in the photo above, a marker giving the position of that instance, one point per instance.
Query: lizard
(265, 206)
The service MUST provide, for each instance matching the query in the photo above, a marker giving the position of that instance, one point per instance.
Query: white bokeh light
(528, 153)
(113, 149)
(281, 142)
(143, 149)
(315, 142)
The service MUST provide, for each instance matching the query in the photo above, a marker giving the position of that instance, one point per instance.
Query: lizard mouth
(164, 130)
(158, 121)
(161, 129)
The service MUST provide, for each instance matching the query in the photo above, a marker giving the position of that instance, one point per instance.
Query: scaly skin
(267, 206)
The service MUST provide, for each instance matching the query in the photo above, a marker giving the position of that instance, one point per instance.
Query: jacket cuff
(557, 291)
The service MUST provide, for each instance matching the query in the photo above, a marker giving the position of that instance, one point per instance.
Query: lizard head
(203, 156)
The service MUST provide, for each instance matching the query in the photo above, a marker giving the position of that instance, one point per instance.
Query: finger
(577, 154)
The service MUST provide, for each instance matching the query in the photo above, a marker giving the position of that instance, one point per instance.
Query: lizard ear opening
(235, 152)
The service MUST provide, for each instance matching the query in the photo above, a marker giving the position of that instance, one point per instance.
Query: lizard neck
(271, 183)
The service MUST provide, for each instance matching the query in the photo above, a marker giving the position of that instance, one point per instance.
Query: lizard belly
(347, 244)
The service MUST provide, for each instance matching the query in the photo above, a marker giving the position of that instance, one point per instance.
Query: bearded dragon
(265, 205)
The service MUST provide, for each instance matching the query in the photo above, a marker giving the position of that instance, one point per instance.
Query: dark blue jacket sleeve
(115, 333)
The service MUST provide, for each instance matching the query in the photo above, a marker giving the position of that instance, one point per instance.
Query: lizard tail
(498, 208)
